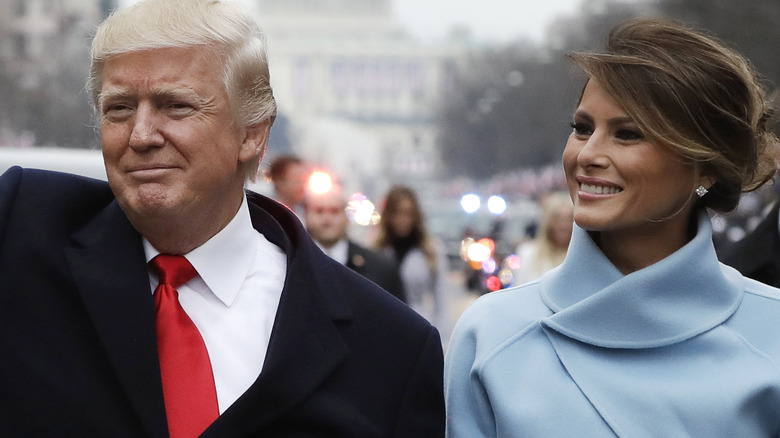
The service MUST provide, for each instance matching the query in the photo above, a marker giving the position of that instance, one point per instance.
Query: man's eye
(180, 106)
(179, 109)
(115, 110)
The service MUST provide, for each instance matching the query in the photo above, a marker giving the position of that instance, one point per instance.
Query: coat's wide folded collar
(677, 298)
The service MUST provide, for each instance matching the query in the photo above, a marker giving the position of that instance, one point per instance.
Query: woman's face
(403, 220)
(619, 181)
(561, 226)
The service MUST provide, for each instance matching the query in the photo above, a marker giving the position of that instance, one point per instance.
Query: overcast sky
(495, 21)
(489, 20)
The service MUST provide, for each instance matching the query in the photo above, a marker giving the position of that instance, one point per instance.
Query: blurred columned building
(359, 93)
(44, 58)
(34, 34)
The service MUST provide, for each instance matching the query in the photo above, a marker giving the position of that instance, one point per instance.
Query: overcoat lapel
(305, 346)
(353, 255)
(108, 265)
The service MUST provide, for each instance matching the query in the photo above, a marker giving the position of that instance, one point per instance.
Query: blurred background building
(359, 95)
(43, 53)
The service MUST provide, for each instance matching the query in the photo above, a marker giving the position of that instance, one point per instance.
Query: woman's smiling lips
(594, 188)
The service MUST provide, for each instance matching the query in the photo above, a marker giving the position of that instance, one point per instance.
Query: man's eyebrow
(163, 93)
(175, 93)
(114, 94)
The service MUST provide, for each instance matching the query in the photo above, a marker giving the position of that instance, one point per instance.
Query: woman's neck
(631, 250)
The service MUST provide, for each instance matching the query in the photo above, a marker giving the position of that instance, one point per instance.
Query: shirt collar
(224, 261)
(674, 299)
(339, 251)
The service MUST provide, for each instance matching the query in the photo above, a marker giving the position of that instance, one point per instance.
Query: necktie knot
(172, 269)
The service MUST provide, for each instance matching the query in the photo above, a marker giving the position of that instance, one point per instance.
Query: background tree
(752, 27)
(511, 107)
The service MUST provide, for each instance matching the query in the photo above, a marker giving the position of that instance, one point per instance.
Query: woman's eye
(629, 135)
(581, 129)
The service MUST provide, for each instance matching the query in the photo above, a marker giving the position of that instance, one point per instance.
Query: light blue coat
(684, 348)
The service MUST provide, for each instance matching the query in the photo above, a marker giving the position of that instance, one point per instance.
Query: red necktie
(187, 379)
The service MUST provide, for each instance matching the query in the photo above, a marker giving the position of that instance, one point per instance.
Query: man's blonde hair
(226, 28)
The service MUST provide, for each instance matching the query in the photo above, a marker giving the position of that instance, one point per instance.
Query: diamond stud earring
(701, 191)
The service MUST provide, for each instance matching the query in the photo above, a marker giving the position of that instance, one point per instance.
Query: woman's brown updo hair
(690, 92)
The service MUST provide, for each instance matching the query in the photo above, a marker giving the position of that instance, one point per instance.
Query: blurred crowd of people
(403, 257)
(399, 253)
(548, 248)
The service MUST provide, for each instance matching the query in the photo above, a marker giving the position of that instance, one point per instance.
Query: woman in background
(641, 332)
(548, 249)
(421, 256)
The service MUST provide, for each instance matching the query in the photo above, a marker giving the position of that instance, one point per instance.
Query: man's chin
(150, 204)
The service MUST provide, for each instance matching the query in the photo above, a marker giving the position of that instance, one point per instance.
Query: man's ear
(255, 141)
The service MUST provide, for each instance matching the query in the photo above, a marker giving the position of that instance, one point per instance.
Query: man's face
(291, 187)
(170, 142)
(326, 218)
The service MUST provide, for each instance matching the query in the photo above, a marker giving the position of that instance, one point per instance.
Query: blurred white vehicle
(84, 162)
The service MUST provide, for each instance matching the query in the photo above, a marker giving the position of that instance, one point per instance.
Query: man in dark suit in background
(171, 301)
(327, 222)
(757, 255)
(290, 177)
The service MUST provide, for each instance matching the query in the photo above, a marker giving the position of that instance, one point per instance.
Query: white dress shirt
(233, 301)
(338, 252)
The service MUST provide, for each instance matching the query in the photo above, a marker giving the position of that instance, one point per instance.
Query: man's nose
(146, 128)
